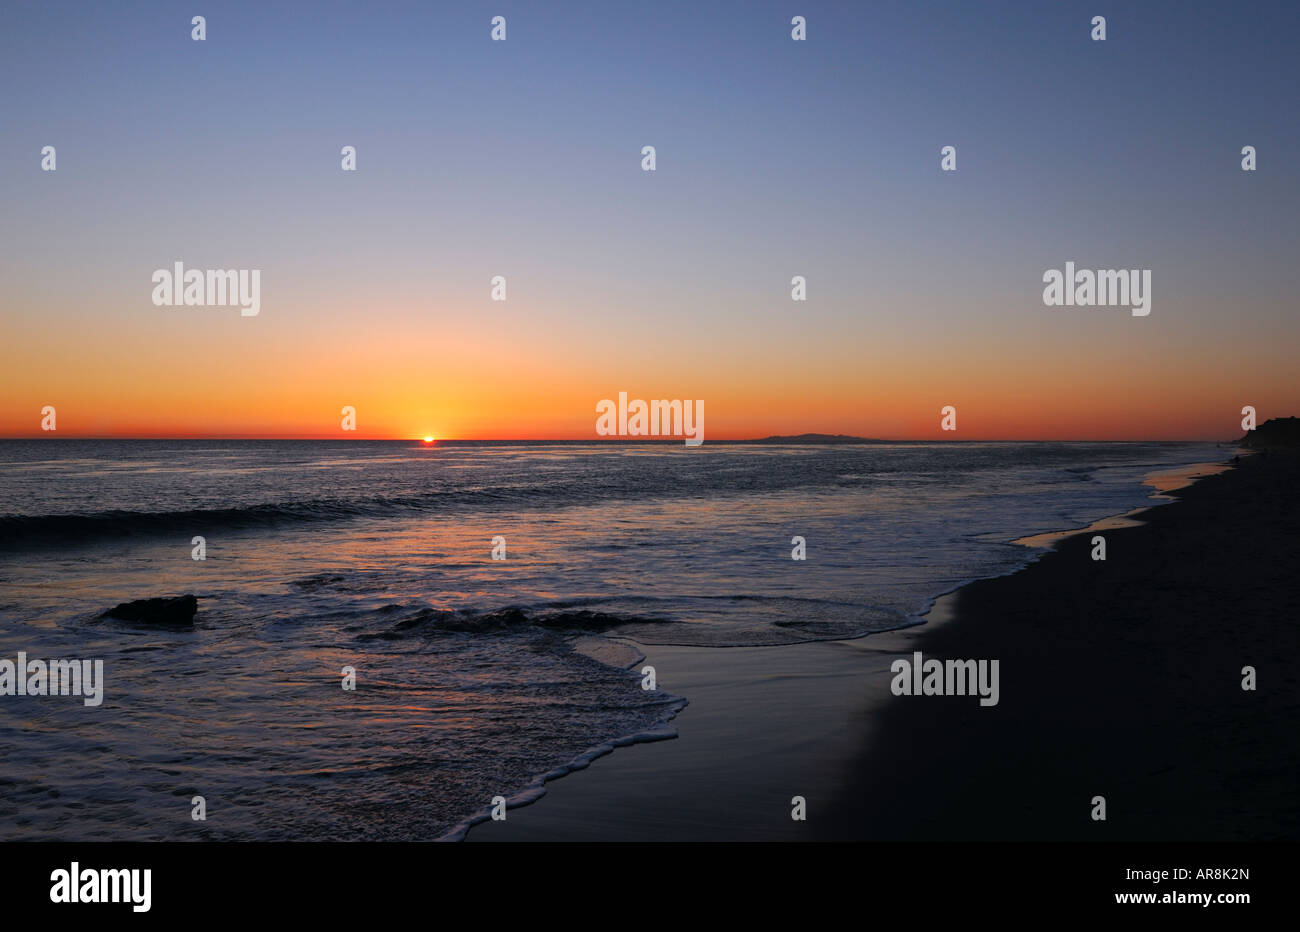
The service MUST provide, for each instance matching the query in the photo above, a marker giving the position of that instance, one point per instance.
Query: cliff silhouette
(1273, 433)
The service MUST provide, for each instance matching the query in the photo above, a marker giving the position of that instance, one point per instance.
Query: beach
(772, 587)
(1119, 679)
(466, 584)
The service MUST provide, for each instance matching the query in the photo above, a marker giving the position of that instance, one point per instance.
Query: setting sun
(428, 440)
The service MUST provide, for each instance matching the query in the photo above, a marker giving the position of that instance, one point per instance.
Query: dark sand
(1120, 679)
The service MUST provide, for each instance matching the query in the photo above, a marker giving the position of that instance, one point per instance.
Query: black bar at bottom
(338, 881)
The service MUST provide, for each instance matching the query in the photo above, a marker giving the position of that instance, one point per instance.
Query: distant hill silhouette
(1275, 432)
(817, 438)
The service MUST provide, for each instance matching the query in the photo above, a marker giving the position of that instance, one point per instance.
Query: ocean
(475, 677)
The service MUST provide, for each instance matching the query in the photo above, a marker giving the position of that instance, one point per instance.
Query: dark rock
(1275, 432)
(174, 612)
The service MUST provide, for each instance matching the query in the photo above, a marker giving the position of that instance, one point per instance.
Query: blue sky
(774, 158)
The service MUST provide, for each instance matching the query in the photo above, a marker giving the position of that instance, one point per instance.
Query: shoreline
(1121, 679)
(815, 741)
(1163, 483)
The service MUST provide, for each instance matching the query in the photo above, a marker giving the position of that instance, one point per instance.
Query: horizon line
(832, 439)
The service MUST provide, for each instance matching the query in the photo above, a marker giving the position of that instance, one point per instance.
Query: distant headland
(1275, 432)
(813, 438)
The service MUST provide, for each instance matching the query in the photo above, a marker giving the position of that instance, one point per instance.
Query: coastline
(1121, 679)
(818, 720)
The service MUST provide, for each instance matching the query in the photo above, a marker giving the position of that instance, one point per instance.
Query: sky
(774, 158)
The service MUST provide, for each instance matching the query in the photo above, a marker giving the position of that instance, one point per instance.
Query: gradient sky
(775, 158)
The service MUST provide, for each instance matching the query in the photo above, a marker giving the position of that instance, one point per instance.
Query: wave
(536, 789)
(24, 531)
(740, 620)
(432, 621)
(21, 532)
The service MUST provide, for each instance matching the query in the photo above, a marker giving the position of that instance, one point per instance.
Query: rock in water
(177, 611)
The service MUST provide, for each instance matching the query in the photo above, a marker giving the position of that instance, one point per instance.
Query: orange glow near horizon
(908, 410)
(457, 376)
(873, 411)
